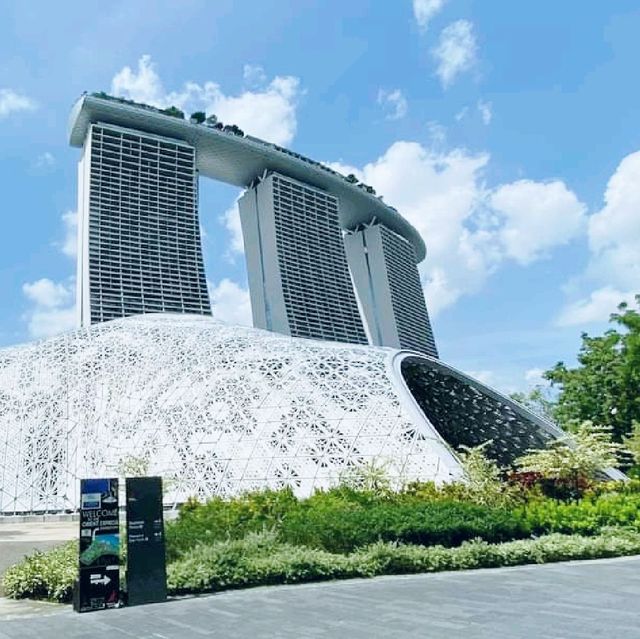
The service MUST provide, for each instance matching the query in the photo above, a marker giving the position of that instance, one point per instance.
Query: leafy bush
(272, 537)
(484, 478)
(621, 487)
(344, 518)
(173, 112)
(260, 560)
(632, 443)
(327, 522)
(571, 463)
(372, 477)
(586, 517)
(44, 575)
(221, 519)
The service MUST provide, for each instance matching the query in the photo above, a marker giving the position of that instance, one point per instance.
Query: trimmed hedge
(342, 528)
(220, 519)
(341, 520)
(585, 517)
(260, 559)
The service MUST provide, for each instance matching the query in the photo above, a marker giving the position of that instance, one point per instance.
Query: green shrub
(632, 443)
(484, 483)
(260, 559)
(173, 111)
(372, 477)
(622, 487)
(221, 519)
(237, 564)
(570, 464)
(585, 517)
(331, 524)
(340, 520)
(44, 575)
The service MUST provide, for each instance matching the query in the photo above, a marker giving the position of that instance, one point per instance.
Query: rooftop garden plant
(198, 117)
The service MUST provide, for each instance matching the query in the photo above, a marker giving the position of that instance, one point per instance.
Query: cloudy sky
(507, 133)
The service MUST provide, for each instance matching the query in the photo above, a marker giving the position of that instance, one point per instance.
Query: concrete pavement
(573, 600)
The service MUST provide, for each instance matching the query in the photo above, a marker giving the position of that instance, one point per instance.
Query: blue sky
(507, 133)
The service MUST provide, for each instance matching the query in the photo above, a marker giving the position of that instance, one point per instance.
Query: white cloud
(46, 293)
(614, 232)
(460, 115)
(486, 112)
(595, 308)
(486, 377)
(53, 310)
(456, 51)
(49, 322)
(230, 303)
(425, 10)
(268, 111)
(537, 216)
(269, 114)
(143, 85)
(231, 221)
(442, 193)
(45, 160)
(254, 75)
(437, 193)
(69, 245)
(394, 103)
(613, 271)
(437, 133)
(534, 377)
(52, 304)
(12, 102)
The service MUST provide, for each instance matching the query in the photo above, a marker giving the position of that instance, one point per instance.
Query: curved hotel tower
(298, 276)
(139, 249)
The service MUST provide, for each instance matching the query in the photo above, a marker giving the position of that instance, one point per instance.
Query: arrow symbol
(96, 579)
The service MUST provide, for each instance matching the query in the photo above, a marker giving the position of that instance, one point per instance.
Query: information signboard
(146, 564)
(99, 560)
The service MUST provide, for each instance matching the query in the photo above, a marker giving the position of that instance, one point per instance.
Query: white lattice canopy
(216, 409)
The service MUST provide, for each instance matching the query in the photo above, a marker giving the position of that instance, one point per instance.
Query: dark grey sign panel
(99, 559)
(146, 564)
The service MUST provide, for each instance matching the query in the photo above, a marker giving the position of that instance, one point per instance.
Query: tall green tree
(604, 387)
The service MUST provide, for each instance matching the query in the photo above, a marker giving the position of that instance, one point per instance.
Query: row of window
(121, 150)
(100, 133)
(107, 159)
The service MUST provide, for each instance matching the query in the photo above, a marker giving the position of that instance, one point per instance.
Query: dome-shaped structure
(219, 409)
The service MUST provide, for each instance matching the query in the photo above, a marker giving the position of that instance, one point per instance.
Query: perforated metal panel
(214, 409)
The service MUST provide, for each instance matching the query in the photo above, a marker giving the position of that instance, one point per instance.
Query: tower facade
(299, 280)
(139, 248)
(385, 273)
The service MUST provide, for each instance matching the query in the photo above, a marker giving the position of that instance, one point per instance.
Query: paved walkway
(575, 600)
